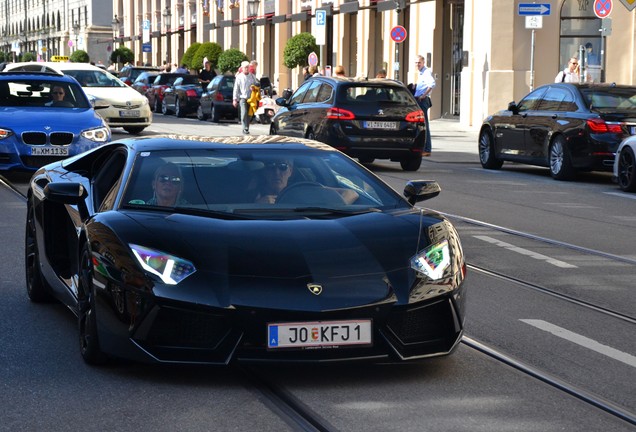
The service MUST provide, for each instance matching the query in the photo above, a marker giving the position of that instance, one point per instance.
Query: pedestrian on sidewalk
(243, 91)
(423, 88)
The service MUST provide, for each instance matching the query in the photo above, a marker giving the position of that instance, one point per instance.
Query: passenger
(167, 185)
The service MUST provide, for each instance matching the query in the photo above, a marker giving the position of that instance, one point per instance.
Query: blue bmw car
(45, 118)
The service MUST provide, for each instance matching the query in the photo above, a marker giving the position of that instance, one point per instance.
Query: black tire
(157, 105)
(559, 160)
(411, 164)
(310, 135)
(178, 110)
(86, 314)
(134, 130)
(273, 130)
(487, 155)
(627, 170)
(200, 114)
(37, 288)
(164, 107)
(366, 160)
(214, 114)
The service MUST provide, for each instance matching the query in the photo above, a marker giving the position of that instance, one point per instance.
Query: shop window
(580, 36)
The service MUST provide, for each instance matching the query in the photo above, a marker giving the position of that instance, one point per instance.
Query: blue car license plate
(319, 334)
(49, 151)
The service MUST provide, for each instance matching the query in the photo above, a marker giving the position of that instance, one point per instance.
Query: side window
(312, 92)
(106, 177)
(568, 103)
(530, 102)
(324, 94)
(552, 99)
(298, 96)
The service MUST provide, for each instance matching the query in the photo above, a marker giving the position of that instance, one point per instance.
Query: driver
(275, 176)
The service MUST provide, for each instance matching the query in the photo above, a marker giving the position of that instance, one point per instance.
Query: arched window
(581, 34)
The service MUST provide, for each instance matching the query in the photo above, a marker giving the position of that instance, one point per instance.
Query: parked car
(625, 163)
(129, 74)
(565, 127)
(144, 82)
(161, 248)
(367, 119)
(158, 86)
(182, 96)
(35, 129)
(119, 105)
(216, 101)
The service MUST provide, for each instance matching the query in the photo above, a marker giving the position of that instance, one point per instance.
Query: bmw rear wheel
(487, 155)
(179, 112)
(627, 170)
(86, 318)
(214, 114)
(560, 164)
(37, 288)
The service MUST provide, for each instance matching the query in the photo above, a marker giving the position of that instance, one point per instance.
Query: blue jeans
(427, 142)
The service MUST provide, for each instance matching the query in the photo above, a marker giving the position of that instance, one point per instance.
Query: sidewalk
(453, 142)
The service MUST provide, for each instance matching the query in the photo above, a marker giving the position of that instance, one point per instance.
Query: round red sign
(398, 34)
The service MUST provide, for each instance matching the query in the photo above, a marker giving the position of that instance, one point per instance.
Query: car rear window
(364, 94)
(610, 98)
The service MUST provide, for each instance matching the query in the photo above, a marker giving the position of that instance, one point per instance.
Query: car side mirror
(282, 102)
(421, 190)
(68, 193)
(512, 107)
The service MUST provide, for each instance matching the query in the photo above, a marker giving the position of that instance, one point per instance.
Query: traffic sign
(534, 9)
(312, 59)
(602, 8)
(534, 21)
(321, 27)
(629, 4)
(398, 34)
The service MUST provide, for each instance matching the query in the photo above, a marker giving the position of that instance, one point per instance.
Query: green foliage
(79, 56)
(124, 54)
(3, 57)
(29, 57)
(189, 54)
(211, 50)
(298, 49)
(230, 60)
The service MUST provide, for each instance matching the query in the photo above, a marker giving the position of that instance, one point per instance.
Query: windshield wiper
(336, 211)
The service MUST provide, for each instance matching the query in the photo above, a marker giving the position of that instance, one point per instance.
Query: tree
(211, 50)
(2, 56)
(187, 56)
(298, 49)
(122, 55)
(230, 60)
(28, 57)
(79, 56)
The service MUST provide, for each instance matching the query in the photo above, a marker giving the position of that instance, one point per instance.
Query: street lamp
(252, 11)
(76, 30)
(167, 16)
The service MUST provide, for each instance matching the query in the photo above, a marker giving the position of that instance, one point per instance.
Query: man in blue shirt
(423, 88)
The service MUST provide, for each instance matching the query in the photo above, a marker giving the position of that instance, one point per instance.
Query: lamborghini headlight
(433, 260)
(169, 268)
(100, 134)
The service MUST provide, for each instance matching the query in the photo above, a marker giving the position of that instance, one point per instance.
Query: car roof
(359, 81)
(48, 76)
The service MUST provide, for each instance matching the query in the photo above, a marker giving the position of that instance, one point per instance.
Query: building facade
(483, 53)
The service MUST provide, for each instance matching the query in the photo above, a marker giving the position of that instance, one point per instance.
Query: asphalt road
(550, 307)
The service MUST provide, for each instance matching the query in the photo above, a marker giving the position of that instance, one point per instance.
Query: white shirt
(243, 84)
(570, 77)
(425, 81)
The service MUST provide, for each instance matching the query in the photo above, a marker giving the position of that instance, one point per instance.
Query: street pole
(532, 62)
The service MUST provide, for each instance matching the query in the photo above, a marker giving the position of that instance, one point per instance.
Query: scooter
(267, 109)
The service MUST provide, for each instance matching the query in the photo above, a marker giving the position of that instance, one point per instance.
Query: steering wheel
(309, 193)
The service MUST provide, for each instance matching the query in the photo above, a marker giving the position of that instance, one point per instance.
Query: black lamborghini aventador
(206, 250)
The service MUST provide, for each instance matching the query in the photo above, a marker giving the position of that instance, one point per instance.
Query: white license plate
(380, 125)
(49, 151)
(131, 113)
(319, 334)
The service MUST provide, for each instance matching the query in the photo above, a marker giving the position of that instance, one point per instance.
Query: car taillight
(340, 114)
(218, 97)
(191, 93)
(415, 116)
(598, 125)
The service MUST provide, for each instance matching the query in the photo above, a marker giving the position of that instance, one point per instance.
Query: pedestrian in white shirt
(571, 73)
(423, 88)
(243, 90)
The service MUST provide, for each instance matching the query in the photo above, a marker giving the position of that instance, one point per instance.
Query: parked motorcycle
(267, 108)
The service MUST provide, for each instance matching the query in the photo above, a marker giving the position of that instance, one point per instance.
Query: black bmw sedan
(267, 248)
(566, 127)
(367, 119)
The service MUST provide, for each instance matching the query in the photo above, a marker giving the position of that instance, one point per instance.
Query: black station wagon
(366, 119)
